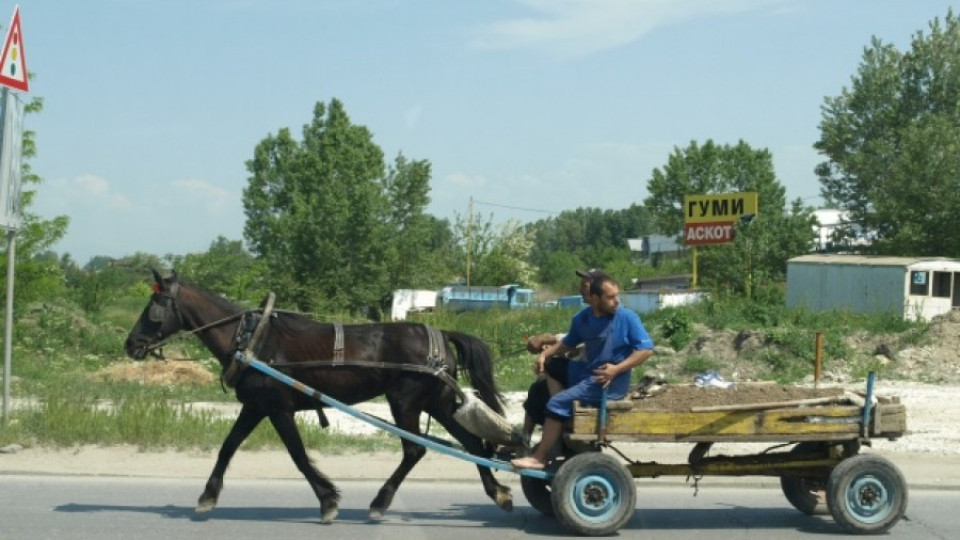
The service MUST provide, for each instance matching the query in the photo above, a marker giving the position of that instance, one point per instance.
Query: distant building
(917, 288)
(653, 293)
(829, 221)
(654, 248)
(406, 301)
(466, 297)
(679, 281)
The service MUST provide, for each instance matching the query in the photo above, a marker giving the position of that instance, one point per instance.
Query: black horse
(300, 346)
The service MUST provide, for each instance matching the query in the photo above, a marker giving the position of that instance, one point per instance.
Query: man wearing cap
(615, 342)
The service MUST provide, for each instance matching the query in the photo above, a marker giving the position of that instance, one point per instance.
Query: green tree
(558, 272)
(226, 268)
(417, 251)
(595, 237)
(328, 220)
(38, 276)
(495, 255)
(760, 250)
(892, 143)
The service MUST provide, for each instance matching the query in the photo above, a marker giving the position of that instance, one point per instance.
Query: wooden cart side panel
(791, 424)
(722, 423)
(889, 420)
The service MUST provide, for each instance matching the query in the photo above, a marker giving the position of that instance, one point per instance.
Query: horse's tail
(474, 356)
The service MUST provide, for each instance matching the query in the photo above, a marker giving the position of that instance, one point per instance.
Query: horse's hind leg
(407, 419)
(245, 423)
(325, 491)
(475, 445)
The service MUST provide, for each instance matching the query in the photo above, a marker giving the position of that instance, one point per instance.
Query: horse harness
(253, 324)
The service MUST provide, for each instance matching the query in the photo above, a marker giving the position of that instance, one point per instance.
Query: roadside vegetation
(67, 390)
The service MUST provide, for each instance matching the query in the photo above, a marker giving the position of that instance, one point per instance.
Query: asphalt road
(36, 507)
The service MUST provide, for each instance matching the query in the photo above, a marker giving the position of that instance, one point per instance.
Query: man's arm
(557, 348)
(607, 372)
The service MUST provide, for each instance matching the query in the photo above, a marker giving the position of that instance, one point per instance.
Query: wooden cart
(593, 493)
(813, 446)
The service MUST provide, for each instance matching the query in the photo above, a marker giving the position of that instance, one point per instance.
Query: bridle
(157, 312)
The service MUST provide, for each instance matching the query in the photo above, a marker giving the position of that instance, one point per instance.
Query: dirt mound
(929, 356)
(158, 373)
(682, 397)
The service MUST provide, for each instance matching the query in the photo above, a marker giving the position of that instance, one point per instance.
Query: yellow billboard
(728, 207)
(710, 219)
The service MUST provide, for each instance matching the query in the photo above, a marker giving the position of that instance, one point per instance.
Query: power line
(516, 208)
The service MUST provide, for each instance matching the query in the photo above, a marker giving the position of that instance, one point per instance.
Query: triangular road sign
(13, 60)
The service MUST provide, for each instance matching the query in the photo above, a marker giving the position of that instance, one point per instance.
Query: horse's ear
(156, 277)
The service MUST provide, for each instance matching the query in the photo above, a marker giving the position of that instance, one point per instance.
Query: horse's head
(159, 320)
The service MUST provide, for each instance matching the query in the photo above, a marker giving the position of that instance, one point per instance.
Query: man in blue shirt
(615, 342)
(553, 377)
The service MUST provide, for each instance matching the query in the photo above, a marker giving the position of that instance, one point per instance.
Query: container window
(941, 284)
(919, 283)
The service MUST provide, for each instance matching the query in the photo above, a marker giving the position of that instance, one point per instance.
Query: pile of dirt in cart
(683, 397)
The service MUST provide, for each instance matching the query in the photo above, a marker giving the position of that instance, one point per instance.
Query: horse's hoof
(504, 499)
(329, 514)
(376, 514)
(205, 505)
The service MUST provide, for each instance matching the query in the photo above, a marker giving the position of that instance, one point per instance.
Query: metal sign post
(8, 325)
(11, 141)
(13, 74)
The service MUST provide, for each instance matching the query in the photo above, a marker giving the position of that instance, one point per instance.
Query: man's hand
(538, 343)
(605, 373)
(540, 364)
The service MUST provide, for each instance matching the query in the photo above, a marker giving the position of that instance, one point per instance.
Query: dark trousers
(538, 394)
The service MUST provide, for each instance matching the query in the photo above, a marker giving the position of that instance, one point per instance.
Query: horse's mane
(213, 297)
(290, 323)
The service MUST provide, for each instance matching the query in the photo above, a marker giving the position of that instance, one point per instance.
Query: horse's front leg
(286, 427)
(245, 423)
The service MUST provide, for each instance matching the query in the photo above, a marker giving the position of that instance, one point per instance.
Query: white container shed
(406, 301)
(647, 301)
(919, 288)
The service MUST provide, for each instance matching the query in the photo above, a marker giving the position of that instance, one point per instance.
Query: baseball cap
(593, 273)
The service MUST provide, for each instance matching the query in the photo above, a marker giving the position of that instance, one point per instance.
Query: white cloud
(96, 190)
(214, 200)
(578, 28)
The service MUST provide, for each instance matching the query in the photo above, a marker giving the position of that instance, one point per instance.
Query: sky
(525, 107)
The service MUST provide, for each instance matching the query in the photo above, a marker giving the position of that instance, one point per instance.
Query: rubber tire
(538, 494)
(537, 490)
(802, 492)
(607, 481)
(866, 474)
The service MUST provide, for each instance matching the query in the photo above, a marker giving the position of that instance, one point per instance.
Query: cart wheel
(593, 494)
(537, 490)
(807, 495)
(866, 494)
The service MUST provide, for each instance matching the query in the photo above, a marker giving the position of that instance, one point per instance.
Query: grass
(68, 420)
(59, 351)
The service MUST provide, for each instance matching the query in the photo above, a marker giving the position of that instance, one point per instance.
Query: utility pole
(469, 235)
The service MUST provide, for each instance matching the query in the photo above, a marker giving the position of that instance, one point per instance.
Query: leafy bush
(677, 329)
(697, 363)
